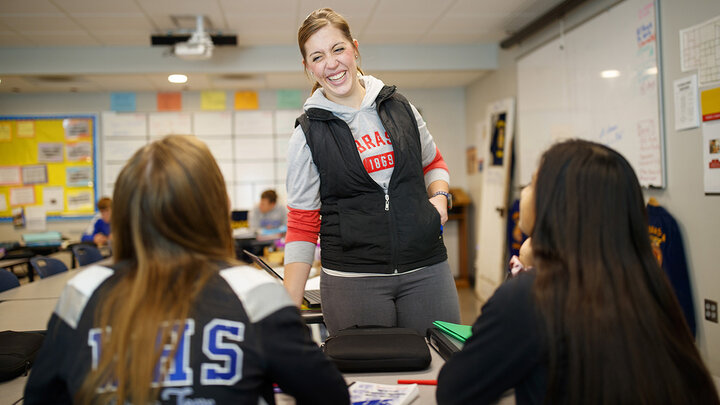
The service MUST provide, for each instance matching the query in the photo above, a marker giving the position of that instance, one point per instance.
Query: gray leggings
(410, 300)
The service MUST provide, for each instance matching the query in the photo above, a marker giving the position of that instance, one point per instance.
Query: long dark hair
(616, 333)
(171, 224)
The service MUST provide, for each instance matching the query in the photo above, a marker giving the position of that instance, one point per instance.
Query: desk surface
(49, 287)
(29, 307)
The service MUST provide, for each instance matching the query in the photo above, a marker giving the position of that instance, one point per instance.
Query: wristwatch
(447, 195)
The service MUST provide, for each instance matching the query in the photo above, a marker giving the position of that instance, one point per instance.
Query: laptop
(311, 298)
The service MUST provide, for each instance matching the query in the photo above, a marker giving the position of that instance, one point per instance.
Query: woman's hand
(440, 203)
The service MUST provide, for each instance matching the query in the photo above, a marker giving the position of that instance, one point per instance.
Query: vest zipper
(387, 202)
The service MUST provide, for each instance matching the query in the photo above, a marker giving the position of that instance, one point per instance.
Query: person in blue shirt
(99, 229)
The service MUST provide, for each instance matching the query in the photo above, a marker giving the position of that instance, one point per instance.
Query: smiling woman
(362, 157)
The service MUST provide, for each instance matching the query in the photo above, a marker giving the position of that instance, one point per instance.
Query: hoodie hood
(372, 89)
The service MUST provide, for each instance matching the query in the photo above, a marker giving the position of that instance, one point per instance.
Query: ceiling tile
(27, 6)
(122, 38)
(39, 22)
(97, 6)
(8, 38)
(116, 23)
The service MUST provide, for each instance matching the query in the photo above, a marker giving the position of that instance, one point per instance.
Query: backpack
(17, 352)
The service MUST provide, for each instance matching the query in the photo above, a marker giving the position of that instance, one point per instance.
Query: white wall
(697, 214)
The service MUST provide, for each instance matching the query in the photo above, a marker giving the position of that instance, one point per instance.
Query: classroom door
(497, 151)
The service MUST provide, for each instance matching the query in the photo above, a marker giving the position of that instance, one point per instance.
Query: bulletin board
(48, 161)
(600, 81)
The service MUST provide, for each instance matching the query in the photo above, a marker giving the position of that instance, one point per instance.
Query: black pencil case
(377, 349)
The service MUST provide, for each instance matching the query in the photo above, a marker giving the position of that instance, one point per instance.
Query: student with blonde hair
(174, 319)
(595, 321)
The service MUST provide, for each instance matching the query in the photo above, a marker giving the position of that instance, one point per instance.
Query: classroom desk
(9, 263)
(49, 287)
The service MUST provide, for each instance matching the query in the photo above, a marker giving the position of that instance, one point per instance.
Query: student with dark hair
(174, 319)
(365, 174)
(596, 321)
(268, 218)
(98, 231)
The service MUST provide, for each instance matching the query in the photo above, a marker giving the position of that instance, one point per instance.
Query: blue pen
(441, 229)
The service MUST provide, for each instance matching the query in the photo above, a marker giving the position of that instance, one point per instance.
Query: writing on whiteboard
(649, 159)
(610, 134)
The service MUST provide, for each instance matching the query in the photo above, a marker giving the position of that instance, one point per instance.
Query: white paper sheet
(53, 198)
(228, 171)
(78, 176)
(253, 123)
(125, 124)
(10, 176)
(22, 196)
(281, 146)
(80, 201)
(699, 50)
(212, 123)
(79, 152)
(35, 174)
(711, 156)
(687, 107)
(35, 218)
(221, 148)
(254, 172)
(244, 197)
(254, 148)
(111, 172)
(116, 150)
(285, 121)
(162, 124)
(50, 152)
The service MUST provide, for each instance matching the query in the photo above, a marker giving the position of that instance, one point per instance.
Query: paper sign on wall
(5, 132)
(53, 198)
(246, 100)
(169, 101)
(79, 176)
(212, 100)
(25, 129)
(50, 152)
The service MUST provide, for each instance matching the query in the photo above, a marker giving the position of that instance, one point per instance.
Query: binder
(459, 332)
(446, 346)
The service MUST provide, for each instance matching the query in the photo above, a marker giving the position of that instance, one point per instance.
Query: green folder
(459, 332)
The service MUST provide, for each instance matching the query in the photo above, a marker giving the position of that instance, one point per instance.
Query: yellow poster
(246, 100)
(5, 131)
(710, 101)
(25, 129)
(212, 100)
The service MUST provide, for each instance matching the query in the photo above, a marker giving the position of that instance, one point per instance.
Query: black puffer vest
(362, 229)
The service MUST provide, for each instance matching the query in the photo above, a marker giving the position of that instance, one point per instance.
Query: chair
(7, 280)
(47, 266)
(86, 254)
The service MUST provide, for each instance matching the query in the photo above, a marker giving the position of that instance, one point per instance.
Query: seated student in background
(99, 229)
(174, 320)
(268, 218)
(595, 321)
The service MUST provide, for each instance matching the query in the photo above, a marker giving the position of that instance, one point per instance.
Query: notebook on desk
(311, 297)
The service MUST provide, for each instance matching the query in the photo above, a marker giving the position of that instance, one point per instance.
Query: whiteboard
(561, 93)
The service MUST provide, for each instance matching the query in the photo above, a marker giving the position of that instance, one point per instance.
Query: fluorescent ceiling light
(608, 74)
(177, 79)
(651, 71)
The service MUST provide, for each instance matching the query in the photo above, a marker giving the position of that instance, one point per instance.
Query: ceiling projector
(198, 47)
